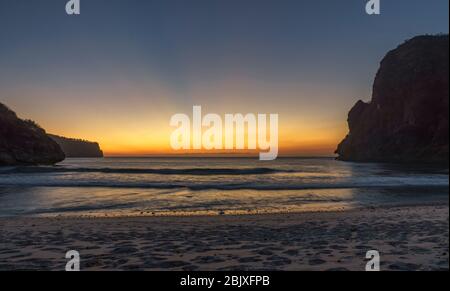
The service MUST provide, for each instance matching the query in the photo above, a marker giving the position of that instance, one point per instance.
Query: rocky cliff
(407, 118)
(76, 148)
(23, 142)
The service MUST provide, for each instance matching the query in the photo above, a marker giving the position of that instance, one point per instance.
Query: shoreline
(436, 197)
(338, 209)
(408, 238)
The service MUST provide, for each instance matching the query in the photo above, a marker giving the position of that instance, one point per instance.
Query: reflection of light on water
(101, 202)
(291, 185)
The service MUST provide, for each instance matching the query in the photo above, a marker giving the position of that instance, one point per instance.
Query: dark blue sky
(174, 37)
(308, 58)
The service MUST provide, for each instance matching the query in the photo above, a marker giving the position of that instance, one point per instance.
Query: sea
(180, 186)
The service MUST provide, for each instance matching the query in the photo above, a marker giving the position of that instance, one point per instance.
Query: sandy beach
(407, 238)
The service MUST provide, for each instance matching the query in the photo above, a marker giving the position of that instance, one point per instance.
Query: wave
(231, 186)
(157, 171)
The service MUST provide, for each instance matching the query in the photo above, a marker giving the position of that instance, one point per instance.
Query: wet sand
(407, 238)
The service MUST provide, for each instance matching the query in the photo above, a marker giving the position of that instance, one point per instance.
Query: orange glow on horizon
(146, 144)
(135, 119)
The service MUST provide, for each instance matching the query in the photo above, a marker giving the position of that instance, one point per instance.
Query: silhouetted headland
(407, 119)
(77, 148)
(23, 142)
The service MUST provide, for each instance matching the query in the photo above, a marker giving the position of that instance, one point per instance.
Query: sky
(118, 72)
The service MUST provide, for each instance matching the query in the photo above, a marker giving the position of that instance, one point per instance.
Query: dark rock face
(407, 119)
(75, 148)
(23, 142)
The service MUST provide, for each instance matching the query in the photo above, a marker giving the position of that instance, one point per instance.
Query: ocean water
(213, 186)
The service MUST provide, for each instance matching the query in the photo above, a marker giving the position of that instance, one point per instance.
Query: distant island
(78, 148)
(407, 118)
(23, 142)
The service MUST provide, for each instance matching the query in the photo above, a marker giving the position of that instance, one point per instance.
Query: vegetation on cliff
(23, 142)
(78, 148)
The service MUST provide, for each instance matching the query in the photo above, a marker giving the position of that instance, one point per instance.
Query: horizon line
(216, 156)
